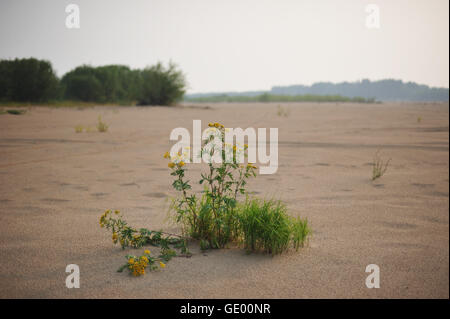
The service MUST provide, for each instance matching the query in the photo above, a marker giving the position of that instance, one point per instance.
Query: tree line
(34, 81)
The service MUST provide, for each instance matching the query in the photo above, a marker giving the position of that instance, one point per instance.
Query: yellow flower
(131, 261)
(147, 252)
(144, 258)
(162, 264)
(117, 212)
(114, 236)
(210, 124)
(171, 165)
(166, 155)
(181, 164)
(245, 145)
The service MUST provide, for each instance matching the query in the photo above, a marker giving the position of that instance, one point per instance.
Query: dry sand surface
(55, 184)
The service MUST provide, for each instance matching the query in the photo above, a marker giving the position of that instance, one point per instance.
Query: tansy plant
(137, 265)
(127, 236)
(217, 218)
(211, 218)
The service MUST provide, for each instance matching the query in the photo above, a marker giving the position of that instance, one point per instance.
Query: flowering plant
(212, 218)
(137, 265)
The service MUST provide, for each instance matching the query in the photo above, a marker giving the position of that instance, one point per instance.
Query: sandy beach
(55, 183)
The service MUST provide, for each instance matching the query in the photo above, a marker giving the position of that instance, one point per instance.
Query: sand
(55, 184)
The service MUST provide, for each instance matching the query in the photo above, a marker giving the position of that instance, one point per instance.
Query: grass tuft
(267, 227)
(380, 166)
(79, 129)
(101, 126)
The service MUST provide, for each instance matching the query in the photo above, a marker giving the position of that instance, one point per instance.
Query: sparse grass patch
(282, 111)
(380, 166)
(101, 126)
(79, 129)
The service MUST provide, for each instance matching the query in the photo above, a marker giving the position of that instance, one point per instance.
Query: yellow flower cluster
(102, 221)
(216, 125)
(177, 161)
(249, 165)
(138, 266)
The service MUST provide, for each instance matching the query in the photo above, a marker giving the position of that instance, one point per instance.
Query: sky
(238, 45)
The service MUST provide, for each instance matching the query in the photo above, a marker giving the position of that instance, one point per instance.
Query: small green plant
(101, 126)
(79, 129)
(281, 111)
(380, 166)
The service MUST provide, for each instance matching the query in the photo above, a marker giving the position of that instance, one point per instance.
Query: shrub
(27, 80)
(161, 86)
(104, 84)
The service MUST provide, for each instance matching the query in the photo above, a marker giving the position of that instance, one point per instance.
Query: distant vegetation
(383, 90)
(265, 97)
(34, 81)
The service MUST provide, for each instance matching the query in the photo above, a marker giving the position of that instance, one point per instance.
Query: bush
(32, 80)
(105, 84)
(27, 80)
(161, 86)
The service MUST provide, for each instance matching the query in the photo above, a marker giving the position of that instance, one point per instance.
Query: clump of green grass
(300, 232)
(267, 227)
(380, 166)
(101, 126)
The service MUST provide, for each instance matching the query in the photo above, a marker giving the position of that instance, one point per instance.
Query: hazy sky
(237, 45)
